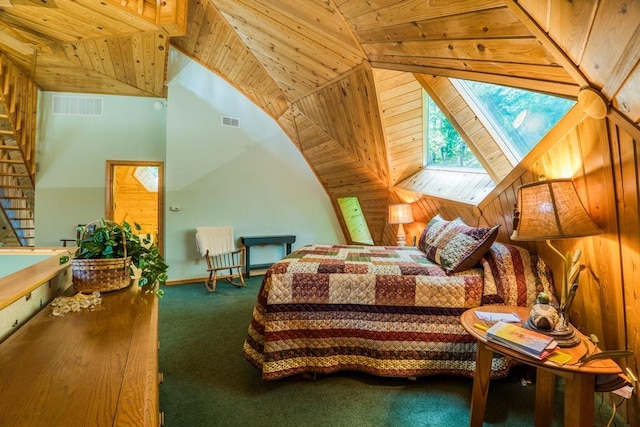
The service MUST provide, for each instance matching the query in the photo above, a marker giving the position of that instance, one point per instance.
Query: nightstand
(580, 379)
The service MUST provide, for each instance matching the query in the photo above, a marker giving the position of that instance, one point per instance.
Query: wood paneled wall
(601, 37)
(603, 159)
(342, 140)
(625, 252)
(401, 102)
(135, 204)
(583, 154)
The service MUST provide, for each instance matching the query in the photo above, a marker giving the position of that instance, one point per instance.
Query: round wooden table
(580, 379)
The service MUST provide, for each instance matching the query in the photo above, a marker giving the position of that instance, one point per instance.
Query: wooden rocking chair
(217, 247)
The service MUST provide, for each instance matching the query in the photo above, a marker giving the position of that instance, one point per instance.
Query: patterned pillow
(432, 231)
(459, 247)
(514, 276)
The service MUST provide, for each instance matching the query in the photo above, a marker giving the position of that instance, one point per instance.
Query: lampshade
(400, 214)
(551, 210)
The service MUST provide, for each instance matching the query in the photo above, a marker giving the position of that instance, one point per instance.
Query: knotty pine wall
(134, 203)
(603, 158)
(401, 101)
(584, 155)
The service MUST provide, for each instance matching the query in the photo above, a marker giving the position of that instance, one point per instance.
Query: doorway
(135, 194)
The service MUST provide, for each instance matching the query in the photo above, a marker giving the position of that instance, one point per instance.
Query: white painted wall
(252, 178)
(71, 159)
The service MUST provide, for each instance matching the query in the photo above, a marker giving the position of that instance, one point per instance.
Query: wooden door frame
(110, 169)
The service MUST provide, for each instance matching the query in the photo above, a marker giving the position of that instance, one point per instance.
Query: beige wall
(252, 178)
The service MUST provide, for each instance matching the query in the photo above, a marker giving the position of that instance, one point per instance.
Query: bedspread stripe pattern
(371, 321)
(388, 311)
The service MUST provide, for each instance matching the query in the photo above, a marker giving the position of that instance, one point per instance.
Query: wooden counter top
(16, 285)
(88, 368)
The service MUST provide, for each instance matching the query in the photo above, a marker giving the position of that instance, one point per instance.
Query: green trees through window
(519, 117)
(354, 220)
(445, 147)
(523, 117)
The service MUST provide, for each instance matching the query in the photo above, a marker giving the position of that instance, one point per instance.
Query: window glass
(522, 117)
(445, 146)
(354, 219)
(148, 177)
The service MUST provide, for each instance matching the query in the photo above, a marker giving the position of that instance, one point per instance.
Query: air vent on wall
(230, 121)
(77, 105)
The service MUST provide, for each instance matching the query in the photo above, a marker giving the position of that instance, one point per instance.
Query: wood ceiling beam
(554, 88)
(563, 60)
(11, 44)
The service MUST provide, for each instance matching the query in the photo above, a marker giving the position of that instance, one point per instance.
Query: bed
(385, 310)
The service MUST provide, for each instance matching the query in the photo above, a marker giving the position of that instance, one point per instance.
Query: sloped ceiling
(105, 47)
(322, 68)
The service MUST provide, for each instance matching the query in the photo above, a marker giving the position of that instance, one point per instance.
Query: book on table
(531, 343)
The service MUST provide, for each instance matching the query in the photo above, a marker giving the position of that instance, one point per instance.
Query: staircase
(18, 103)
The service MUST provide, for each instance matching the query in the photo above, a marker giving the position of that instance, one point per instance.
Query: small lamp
(548, 210)
(400, 214)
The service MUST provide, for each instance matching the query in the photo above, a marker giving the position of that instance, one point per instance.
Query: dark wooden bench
(249, 241)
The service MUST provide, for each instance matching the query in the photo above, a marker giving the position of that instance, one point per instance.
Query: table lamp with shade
(549, 210)
(400, 214)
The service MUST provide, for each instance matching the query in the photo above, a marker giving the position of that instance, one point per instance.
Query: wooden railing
(18, 106)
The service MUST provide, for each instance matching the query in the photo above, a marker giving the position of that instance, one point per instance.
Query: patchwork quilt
(388, 311)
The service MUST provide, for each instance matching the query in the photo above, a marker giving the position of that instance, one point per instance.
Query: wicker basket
(102, 275)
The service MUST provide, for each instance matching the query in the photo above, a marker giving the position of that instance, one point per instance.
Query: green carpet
(207, 382)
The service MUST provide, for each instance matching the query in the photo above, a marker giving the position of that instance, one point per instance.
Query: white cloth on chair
(217, 240)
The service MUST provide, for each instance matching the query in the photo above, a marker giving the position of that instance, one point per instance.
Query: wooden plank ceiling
(107, 47)
(339, 76)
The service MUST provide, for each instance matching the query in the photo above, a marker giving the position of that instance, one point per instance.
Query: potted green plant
(109, 255)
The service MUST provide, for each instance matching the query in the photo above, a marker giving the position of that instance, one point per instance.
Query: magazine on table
(531, 343)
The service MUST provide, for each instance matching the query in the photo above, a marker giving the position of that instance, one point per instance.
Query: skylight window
(445, 146)
(148, 177)
(520, 117)
(354, 219)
